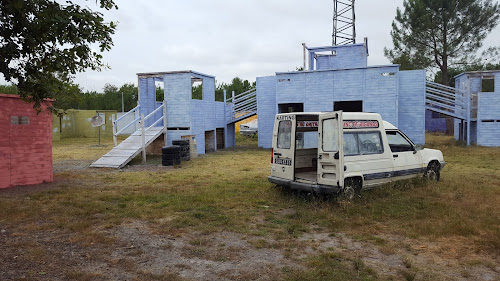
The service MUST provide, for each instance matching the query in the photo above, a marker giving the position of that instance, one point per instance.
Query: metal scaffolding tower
(344, 28)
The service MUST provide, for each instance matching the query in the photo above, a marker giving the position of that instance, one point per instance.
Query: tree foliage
(237, 85)
(43, 44)
(442, 33)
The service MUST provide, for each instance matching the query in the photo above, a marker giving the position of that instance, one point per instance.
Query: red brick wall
(25, 149)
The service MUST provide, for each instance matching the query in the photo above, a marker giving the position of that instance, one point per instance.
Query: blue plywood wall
(485, 126)
(383, 89)
(348, 56)
(411, 104)
(488, 125)
(266, 109)
(186, 116)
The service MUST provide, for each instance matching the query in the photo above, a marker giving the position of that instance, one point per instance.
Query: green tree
(43, 44)
(9, 89)
(442, 33)
(237, 85)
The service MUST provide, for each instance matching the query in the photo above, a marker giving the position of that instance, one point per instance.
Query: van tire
(433, 171)
(352, 189)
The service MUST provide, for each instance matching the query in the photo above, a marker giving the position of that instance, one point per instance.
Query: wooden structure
(339, 78)
(25, 143)
(189, 109)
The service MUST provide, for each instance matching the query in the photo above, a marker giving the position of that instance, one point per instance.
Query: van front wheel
(432, 172)
(352, 188)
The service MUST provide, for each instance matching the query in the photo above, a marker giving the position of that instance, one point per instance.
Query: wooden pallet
(123, 153)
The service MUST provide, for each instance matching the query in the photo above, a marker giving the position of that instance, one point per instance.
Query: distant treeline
(111, 97)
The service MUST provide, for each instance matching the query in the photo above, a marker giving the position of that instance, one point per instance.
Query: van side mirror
(336, 156)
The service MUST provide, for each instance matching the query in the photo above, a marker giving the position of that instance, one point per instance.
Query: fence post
(165, 121)
(143, 136)
(114, 129)
(233, 112)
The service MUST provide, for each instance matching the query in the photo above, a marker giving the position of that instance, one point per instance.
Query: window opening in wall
(348, 106)
(196, 88)
(325, 53)
(19, 120)
(388, 73)
(160, 92)
(487, 84)
(290, 107)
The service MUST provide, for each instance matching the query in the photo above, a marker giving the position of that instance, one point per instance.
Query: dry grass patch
(228, 191)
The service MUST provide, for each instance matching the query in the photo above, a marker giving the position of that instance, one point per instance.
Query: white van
(344, 152)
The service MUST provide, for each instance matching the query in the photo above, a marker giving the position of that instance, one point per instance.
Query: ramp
(121, 154)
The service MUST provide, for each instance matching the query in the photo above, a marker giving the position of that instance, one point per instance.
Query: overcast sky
(227, 38)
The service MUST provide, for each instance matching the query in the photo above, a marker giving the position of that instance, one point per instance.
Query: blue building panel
(220, 118)
(381, 93)
(178, 96)
(185, 115)
(339, 57)
(434, 122)
(319, 91)
(488, 121)
(266, 109)
(349, 85)
(411, 104)
(291, 87)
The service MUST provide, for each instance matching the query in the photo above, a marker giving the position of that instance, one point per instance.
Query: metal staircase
(446, 100)
(136, 143)
(241, 106)
(457, 103)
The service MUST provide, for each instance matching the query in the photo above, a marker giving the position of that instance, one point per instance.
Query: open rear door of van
(331, 149)
(284, 147)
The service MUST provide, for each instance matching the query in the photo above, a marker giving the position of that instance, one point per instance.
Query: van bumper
(314, 188)
(442, 163)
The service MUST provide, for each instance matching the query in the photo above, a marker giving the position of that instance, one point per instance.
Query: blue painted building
(338, 78)
(435, 122)
(482, 105)
(187, 114)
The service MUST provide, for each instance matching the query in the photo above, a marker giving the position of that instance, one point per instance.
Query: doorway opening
(219, 132)
(209, 141)
(348, 106)
(290, 107)
(306, 148)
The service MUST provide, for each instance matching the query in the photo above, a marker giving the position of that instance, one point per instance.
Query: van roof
(350, 115)
(346, 115)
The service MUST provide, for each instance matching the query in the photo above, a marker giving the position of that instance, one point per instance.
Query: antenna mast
(344, 28)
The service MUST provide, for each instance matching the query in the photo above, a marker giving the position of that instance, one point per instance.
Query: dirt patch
(195, 256)
(399, 257)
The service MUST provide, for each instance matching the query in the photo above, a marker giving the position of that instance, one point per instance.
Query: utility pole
(344, 23)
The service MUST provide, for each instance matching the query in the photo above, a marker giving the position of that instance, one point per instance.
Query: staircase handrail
(154, 112)
(239, 95)
(128, 125)
(115, 127)
(121, 117)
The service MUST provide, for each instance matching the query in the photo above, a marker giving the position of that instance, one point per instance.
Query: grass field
(217, 218)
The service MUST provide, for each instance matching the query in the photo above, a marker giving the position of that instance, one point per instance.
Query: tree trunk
(450, 124)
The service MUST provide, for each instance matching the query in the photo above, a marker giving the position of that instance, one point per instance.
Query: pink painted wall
(25, 149)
